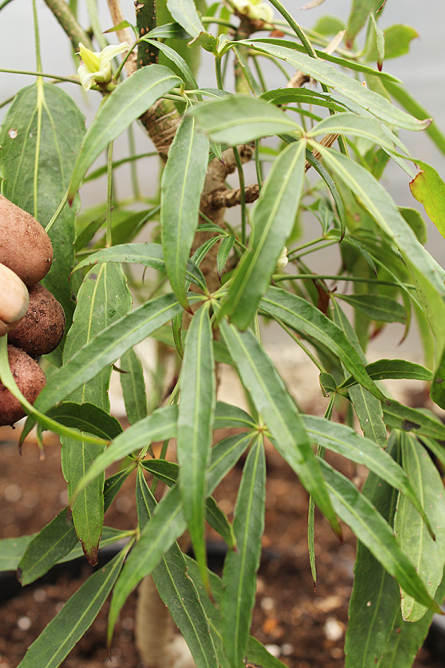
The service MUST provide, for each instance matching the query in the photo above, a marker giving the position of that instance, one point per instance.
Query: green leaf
(385, 369)
(76, 616)
(219, 522)
(413, 107)
(256, 652)
(398, 416)
(109, 537)
(306, 318)
(36, 162)
(350, 88)
(125, 104)
(107, 347)
(103, 298)
(240, 567)
(147, 254)
(184, 12)
(272, 219)
(321, 57)
(133, 386)
(158, 426)
(375, 596)
(427, 275)
(427, 555)
(397, 42)
(302, 96)
(12, 550)
(169, 31)
(360, 11)
(407, 638)
(239, 119)
(345, 441)
(87, 417)
(176, 589)
(376, 307)
(416, 222)
(182, 184)
(428, 188)
(177, 60)
(224, 252)
(367, 408)
(168, 523)
(280, 413)
(195, 420)
(52, 543)
(357, 126)
(369, 526)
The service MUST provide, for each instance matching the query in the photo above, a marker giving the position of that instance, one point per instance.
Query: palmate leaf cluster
(398, 517)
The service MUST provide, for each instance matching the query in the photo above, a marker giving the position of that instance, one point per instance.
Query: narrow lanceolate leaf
(374, 532)
(105, 348)
(350, 88)
(345, 441)
(376, 307)
(428, 276)
(357, 126)
(219, 522)
(125, 104)
(76, 616)
(168, 522)
(389, 369)
(40, 138)
(236, 120)
(182, 184)
(310, 321)
(224, 252)
(133, 386)
(195, 421)
(360, 11)
(148, 254)
(240, 567)
(158, 426)
(176, 589)
(428, 188)
(12, 550)
(367, 407)
(103, 298)
(184, 12)
(398, 416)
(427, 555)
(375, 596)
(407, 637)
(272, 219)
(87, 417)
(279, 411)
(55, 541)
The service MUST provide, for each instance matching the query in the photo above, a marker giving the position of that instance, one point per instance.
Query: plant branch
(123, 35)
(219, 199)
(67, 20)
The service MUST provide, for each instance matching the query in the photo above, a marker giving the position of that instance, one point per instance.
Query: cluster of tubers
(29, 314)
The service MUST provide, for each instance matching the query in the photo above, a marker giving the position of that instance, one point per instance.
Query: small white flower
(282, 260)
(95, 67)
(254, 9)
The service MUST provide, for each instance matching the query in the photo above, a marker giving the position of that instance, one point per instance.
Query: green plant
(214, 283)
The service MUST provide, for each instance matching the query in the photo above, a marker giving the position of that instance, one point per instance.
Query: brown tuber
(30, 380)
(43, 326)
(14, 299)
(25, 247)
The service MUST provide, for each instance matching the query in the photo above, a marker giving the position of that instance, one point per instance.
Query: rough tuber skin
(43, 326)
(30, 380)
(14, 299)
(25, 247)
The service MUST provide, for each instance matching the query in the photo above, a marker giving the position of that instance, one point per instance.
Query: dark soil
(304, 628)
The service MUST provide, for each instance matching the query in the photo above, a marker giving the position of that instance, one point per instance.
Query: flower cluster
(254, 9)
